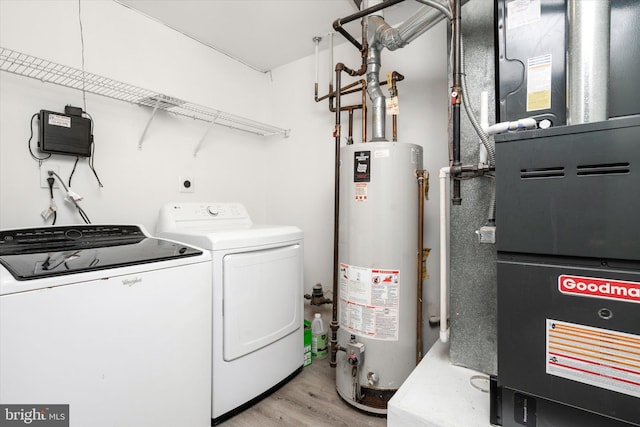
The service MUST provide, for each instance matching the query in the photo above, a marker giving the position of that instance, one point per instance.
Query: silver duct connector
(423, 20)
(588, 60)
(381, 35)
(393, 38)
(378, 109)
(384, 34)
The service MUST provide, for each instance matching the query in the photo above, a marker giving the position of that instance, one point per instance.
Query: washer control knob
(213, 211)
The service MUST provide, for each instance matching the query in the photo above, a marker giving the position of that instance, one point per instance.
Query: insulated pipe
(444, 273)
(588, 60)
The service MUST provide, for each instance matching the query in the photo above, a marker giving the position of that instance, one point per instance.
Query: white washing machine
(107, 320)
(257, 298)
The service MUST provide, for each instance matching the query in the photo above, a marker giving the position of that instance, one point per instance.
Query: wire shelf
(46, 71)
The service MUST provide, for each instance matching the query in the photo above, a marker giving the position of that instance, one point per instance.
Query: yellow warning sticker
(599, 357)
(539, 83)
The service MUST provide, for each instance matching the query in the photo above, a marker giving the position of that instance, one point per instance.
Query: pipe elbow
(391, 39)
(337, 24)
(383, 34)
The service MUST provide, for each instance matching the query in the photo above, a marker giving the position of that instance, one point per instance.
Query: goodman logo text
(599, 288)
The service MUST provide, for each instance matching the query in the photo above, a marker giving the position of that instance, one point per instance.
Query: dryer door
(262, 298)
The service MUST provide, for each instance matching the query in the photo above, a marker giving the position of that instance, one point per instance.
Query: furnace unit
(569, 276)
(568, 229)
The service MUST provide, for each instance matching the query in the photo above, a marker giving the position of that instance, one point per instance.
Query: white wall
(126, 46)
(287, 181)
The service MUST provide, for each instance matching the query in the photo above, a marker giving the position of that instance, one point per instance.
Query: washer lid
(33, 253)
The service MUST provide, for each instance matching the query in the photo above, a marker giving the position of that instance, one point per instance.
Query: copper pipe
(343, 90)
(456, 90)
(350, 137)
(336, 217)
(340, 68)
(395, 77)
(421, 177)
(395, 127)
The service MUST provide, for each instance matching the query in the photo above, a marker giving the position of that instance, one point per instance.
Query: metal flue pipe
(588, 60)
(378, 107)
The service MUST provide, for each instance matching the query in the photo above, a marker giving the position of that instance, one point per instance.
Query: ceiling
(262, 34)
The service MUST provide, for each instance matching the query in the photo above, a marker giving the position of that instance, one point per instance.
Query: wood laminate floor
(309, 399)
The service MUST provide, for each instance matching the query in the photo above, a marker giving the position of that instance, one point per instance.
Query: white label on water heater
(370, 301)
(361, 191)
(598, 357)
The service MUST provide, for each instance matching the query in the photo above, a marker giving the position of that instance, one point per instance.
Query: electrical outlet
(44, 174)
(185, 184)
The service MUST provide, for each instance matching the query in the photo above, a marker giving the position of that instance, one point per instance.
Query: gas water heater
(378, 252)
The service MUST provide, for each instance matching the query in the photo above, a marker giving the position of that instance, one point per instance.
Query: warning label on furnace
(539, 83)
(598, 357)
(370, 301)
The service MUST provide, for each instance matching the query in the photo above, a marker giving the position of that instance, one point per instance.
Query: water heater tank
(378, 252)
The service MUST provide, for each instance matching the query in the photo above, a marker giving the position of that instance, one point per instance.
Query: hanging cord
(33, 156)
(93, 149)
(82, 213)
(84, 94)
(91, 156)
(52, 203)
(73, 170)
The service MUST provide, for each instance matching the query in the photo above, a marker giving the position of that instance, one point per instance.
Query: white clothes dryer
(257, 298)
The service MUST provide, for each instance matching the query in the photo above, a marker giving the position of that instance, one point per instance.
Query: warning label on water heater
(362, 166)
(598, 357)
(370, 301)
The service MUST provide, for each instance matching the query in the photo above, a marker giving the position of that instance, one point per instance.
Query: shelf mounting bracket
(146, 128)
(206, 133)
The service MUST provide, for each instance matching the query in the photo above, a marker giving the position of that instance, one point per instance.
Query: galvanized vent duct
(381, 35)
(589, 25)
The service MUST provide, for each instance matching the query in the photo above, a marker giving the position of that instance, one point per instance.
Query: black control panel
(32, 253)
(37, 239)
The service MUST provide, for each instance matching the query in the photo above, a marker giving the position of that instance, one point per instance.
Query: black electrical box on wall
(64, 134)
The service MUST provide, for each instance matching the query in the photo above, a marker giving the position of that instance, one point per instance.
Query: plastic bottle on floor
(318, 338)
